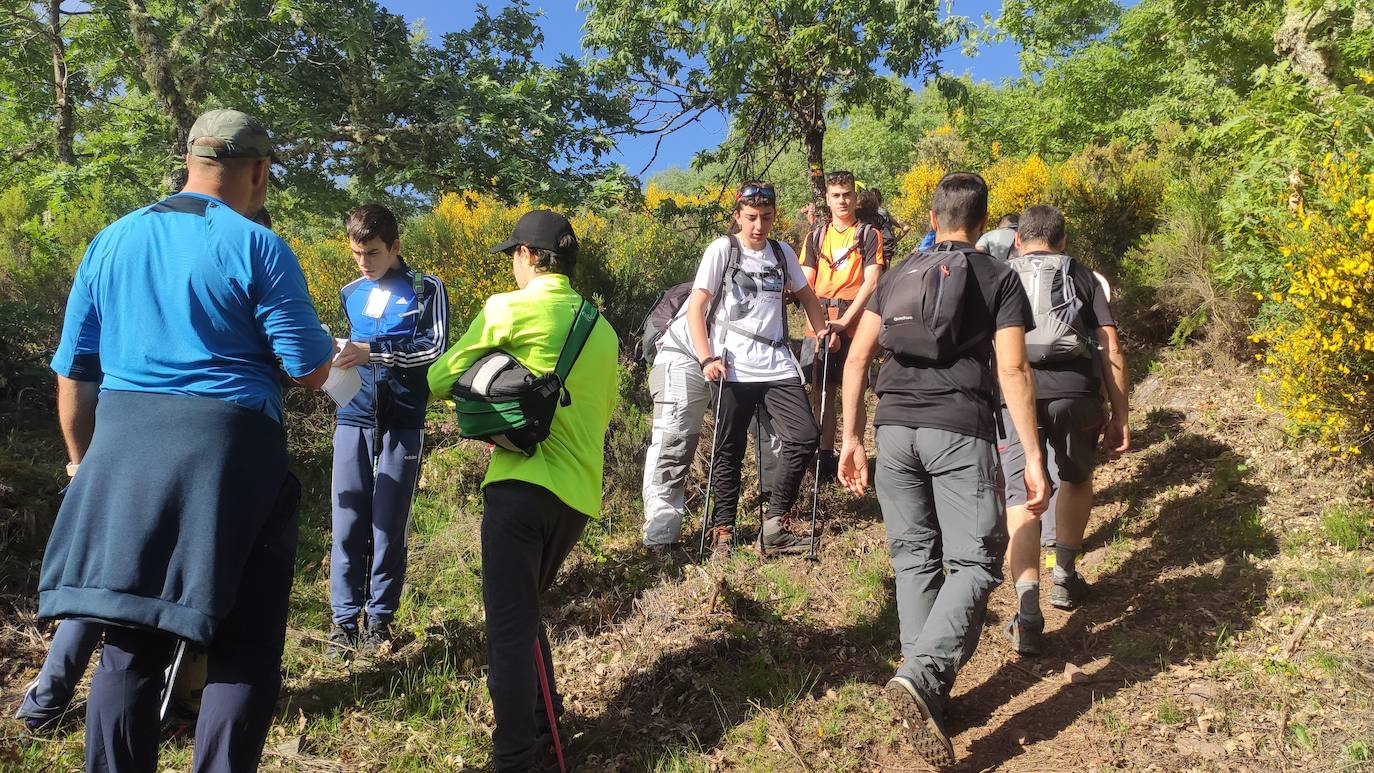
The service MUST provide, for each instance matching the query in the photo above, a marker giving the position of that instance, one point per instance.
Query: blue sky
(562, 26)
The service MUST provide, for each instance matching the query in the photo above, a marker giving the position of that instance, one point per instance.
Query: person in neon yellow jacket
(534, 507)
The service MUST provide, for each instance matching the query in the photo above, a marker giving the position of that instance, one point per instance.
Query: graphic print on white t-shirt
(753, 304)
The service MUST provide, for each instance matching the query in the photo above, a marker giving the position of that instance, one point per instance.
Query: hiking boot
(722, 540)
(375, 638)
(343, 642)
(927, 731)
(1025, 636)
(775, 539)
(1069, 592)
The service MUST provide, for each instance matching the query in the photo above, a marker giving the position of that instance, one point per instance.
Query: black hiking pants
(793, 424)
(527, 532)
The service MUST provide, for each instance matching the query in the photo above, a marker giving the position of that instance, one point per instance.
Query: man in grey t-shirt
(1000, 242)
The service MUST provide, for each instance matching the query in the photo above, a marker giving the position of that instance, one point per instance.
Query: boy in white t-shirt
(747, 347)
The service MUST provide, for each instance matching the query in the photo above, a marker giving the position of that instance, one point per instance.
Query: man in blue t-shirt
(398, 327)
(181, 521)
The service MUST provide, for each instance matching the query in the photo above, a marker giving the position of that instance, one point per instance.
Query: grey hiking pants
(944, 509)
(681, 397)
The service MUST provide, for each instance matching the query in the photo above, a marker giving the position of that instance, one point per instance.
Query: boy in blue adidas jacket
(398, 326)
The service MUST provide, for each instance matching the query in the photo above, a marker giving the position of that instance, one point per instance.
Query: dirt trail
(1226, 632)
(780, 667)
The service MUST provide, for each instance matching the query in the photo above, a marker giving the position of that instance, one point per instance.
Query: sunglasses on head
(753, 190)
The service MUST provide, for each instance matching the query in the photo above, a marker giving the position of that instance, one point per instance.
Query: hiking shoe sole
(1025, 640)
(1069, 593)
(930, 741)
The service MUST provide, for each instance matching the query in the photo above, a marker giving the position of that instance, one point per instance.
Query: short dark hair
(1041, 222)
(840, 178)
(1008, 221)
(561, 262)
(870, 200)
(960, 201)
(372, 221)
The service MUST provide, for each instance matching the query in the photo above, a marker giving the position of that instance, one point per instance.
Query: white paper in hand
(343, 384)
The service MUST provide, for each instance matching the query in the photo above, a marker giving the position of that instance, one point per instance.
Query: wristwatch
(708, 361)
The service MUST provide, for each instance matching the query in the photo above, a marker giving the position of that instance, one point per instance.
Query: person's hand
(1037, 488)
(832, 332)
(853, 466)
(714, 370)
(352, 354)
(1116, 436)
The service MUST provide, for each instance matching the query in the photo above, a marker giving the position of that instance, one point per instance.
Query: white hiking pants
(681, 398)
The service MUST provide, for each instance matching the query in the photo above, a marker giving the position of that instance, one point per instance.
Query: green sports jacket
(530, 325)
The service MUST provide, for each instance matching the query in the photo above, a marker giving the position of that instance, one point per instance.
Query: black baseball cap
(541, 229)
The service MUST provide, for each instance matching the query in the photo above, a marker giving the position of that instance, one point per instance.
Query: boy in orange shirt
(842, 261)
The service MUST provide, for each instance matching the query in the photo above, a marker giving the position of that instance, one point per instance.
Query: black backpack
(656, 322)
(671, 302)
(924, 307)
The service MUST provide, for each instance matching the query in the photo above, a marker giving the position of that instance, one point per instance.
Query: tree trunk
(813, 137)
(64, 128)
(159, 76)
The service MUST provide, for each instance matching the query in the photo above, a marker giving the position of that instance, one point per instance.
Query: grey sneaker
(377, 636)
(343, 642)
(927, 732)
(1025, 636)
(1069, 592)
(775, 539)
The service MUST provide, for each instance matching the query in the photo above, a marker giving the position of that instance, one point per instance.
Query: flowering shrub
(1321, 345)
(1014, 184)
(1110, 197)
(625, 257)
(912, 203)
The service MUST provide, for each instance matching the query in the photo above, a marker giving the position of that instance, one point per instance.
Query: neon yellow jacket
(530, 325)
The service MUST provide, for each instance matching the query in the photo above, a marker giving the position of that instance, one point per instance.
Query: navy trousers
(70, 653)
(244, 678)
(367, 566)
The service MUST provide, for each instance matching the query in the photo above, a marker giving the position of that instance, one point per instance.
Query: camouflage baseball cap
(242, 135)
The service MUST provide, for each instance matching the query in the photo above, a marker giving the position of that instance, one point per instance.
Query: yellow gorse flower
(1320, 349)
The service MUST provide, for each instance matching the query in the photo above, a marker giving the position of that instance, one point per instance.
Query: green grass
(1169, 712)
(1357, 752)
(1349, 527)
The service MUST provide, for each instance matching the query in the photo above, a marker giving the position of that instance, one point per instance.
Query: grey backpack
(1057, 305)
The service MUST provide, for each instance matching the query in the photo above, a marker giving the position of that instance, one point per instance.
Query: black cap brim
(503, 246)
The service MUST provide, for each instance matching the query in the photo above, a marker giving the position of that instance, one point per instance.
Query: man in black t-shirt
(1070, 419)
(938, 477)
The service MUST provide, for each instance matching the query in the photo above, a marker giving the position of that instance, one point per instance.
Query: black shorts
(811, 369)
(1069, 426)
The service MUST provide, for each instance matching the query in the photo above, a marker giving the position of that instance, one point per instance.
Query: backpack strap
(581, 330)
(813, 245)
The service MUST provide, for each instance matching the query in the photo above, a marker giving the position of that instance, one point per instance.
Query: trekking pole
(710, 478)
(816, 477)
(758, 460)
(548, 704)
